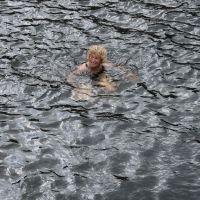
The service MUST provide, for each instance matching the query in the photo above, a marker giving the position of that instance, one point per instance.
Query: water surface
(141, 142)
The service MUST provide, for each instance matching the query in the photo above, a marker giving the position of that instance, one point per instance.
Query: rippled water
(140, 143)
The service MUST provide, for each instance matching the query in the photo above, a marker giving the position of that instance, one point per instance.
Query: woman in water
(95, 67)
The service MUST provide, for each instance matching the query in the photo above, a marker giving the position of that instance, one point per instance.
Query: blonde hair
(99, 51)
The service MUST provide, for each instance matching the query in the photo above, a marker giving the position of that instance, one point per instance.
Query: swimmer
(95, 65)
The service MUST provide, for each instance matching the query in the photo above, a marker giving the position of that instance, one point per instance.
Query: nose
(94, 59)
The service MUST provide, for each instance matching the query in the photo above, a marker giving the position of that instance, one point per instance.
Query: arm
(72, 76)
(129, 73)
(80, 91)
(107, 83)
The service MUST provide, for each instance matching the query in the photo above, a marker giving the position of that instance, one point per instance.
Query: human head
(98, 51)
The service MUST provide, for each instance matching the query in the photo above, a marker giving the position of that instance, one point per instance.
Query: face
(94, 61)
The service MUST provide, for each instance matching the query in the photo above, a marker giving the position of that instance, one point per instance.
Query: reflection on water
(141, 142)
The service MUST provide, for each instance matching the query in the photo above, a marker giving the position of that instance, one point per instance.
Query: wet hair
(99, 51)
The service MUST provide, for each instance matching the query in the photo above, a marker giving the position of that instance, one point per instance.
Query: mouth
(93, 64)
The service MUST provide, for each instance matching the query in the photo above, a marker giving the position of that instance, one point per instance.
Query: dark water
(141, 143)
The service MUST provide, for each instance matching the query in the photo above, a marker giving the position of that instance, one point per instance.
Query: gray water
(140, 143)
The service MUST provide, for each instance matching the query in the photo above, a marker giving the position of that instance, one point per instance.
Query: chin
(94, 67)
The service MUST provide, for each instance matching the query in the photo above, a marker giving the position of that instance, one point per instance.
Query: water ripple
(141, 142)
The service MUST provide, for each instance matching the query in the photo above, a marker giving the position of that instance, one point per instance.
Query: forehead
(95, 55)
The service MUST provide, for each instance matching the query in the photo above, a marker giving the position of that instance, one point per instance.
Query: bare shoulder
(80, 69)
